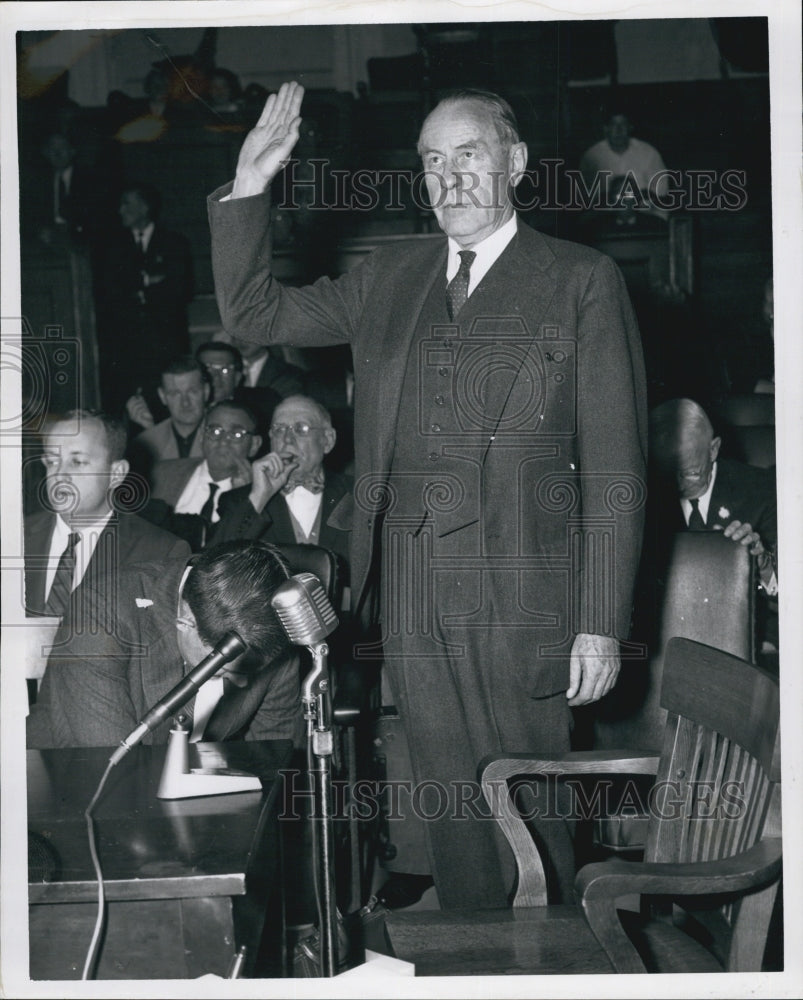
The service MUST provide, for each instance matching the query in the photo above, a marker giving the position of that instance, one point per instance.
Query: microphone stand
(317, 699)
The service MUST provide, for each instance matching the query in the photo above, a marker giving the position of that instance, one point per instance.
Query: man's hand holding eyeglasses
(269, 474)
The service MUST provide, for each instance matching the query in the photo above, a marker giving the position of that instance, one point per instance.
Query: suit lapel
(37, 546)
(411, 289)
(519, 279)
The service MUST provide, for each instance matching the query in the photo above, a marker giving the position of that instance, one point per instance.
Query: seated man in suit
(291, 498)
(265, 367)
(183, 389)
(195, 485)
(223, 366)
(84, 534)
(120, 650)
(696, 489)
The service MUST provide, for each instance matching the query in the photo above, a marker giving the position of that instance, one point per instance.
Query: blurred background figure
(627, 167)
(145, 284)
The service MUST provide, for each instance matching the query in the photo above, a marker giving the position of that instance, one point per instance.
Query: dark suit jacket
(238, 519)
(127, 538)
(137, 339)
(741, 493)
(169, 477)
(102, 678)
(586, 441)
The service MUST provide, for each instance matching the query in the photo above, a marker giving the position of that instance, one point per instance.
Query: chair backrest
(754, 445)
(748, 410)
(717, 790)
(708, 595)
(317, 560)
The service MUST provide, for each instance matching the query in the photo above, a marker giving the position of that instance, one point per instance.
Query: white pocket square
(143, 602)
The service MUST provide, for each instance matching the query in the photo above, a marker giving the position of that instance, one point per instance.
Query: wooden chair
(713, 850)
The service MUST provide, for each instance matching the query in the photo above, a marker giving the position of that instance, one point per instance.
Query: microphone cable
(94, 944)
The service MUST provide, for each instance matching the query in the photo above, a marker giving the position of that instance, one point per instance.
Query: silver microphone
(304, 610)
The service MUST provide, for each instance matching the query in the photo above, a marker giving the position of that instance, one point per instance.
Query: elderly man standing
(500, 446)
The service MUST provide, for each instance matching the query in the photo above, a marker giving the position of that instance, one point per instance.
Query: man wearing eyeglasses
(291, 498)
(225, 372)
(194, 486)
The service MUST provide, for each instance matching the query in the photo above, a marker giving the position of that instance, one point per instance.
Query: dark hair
(231, 405)
(229, 587)
(113, 428)
(148, 193)
(182, 365)
(221, 345)
(503, 116)
(235, 90)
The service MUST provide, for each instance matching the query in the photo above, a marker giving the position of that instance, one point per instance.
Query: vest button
(433, 456)
(443, 371)
(435, 428)
(439, 400)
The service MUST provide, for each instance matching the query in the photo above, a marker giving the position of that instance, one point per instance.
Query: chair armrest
(494, 771)
(600, 884)
(498, 767)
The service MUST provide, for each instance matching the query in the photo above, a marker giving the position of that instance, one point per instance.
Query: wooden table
(187, 881)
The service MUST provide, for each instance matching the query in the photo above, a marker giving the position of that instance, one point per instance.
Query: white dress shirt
(196, 492)
(304, 506)
(703, 501)
(142, 237)
(253, 369)
(488, 251)
(84, 550)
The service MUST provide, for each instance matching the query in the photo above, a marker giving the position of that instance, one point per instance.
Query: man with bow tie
(291, 498)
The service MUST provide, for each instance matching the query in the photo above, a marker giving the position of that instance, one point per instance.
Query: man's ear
(517, 162)
(715, 446)
(161, 394)
(118, 471)
(329, 438)
(256, 444)
(207, 388)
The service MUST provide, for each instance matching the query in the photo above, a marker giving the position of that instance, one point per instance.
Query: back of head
(229, 587)
(677, 427)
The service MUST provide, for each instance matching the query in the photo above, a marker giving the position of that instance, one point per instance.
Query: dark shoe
(402, 890)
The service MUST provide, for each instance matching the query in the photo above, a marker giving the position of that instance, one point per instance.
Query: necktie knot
(457, 289)
(696, 517)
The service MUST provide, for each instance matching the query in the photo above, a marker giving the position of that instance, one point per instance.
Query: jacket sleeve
(279, 716)
(238, 519)
(254, 305)
(612, 423)
(85, 698)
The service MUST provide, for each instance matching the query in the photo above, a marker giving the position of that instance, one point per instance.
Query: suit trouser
(456, 710)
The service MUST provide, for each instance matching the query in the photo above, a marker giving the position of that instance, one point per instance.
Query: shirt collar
(488, 252)
(64, 530)
(704, 501)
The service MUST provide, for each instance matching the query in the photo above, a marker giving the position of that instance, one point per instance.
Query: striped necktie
(61, 589)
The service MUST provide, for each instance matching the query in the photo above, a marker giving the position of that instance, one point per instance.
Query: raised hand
(268, 145)
(138, 410)
(269, 474)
